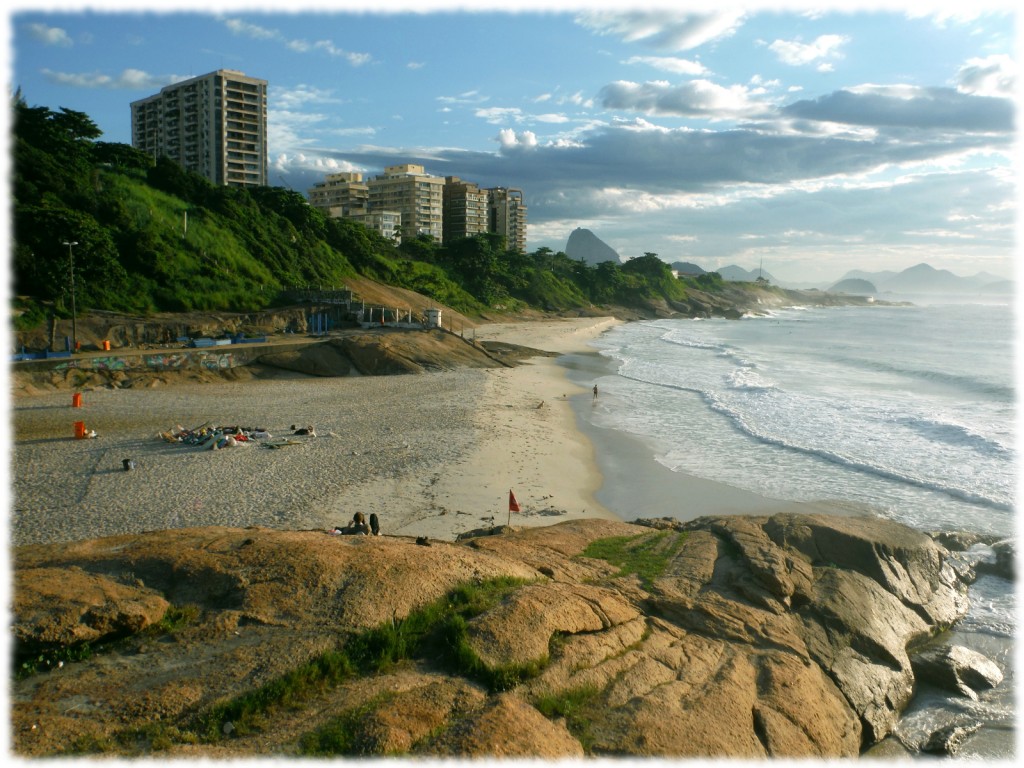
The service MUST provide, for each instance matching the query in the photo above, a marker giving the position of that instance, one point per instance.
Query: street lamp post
(74, 311)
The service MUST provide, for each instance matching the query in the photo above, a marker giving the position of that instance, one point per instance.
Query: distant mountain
(999, 286)
(988, 281)
(584, 245)
(686, 268)
(925, 279)
(855, 286)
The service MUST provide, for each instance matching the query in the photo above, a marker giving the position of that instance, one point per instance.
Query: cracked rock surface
(780, 636)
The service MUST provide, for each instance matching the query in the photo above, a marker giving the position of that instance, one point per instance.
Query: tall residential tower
(507, 216)
(214, 125)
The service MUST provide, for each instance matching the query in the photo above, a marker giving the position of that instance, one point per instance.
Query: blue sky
(874, 137)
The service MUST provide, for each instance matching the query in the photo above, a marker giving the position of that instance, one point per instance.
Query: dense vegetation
(148, 236)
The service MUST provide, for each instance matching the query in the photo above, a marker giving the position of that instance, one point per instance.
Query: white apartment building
(407, 189)
(406, 202)
(214, 125)
(345, 195)
(388, 223)
(340, 194)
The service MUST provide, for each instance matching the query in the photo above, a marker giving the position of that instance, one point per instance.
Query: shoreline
(637, 485)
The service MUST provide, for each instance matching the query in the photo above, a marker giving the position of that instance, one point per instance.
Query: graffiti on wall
(176, 361)
(170, 361)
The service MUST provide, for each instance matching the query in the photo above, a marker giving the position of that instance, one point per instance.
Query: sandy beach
(432, 455)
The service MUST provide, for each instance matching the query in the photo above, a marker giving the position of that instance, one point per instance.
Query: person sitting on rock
(374, 524)
(358, 525)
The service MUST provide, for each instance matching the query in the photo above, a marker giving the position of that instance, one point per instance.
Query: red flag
(513, 505)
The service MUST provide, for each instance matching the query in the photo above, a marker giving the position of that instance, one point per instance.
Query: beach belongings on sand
(128, 464)
(213, 437)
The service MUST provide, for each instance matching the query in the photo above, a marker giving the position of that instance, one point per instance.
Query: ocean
(908, 411)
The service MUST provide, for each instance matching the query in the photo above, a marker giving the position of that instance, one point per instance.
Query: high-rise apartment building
(507, 216)
(407, 189)
(464, 209)
(214, 125)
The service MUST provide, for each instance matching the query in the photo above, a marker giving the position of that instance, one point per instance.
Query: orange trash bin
(76, 400)
(106, 346)
(80, 429)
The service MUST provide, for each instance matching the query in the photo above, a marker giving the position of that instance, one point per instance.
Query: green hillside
(149, 236)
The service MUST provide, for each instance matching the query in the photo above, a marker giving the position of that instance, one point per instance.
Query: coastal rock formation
(741, 637)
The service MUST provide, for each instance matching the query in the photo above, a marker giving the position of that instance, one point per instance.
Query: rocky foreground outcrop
(742, 637)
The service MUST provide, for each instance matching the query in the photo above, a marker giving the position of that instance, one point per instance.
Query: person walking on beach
(595, 391)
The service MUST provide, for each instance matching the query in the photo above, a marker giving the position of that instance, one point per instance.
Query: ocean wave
(952, 433)
(956, 380)
(747, 379)
(673, 338)
(721, 349)
(853, 463)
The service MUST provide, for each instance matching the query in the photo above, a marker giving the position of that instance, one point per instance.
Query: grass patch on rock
(647, 555)
(578, 706)
(436, 631)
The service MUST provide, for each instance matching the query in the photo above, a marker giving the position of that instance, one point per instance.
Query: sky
(810, 140)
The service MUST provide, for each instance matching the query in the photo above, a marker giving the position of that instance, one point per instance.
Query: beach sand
(432, 455)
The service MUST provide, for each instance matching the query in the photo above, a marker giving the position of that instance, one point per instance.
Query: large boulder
(957, 668)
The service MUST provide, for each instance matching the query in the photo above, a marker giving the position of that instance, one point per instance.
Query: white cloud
(245, 29)
(300, 95)
(671, 64)
(510, 140)
(256, 32)
(697, 98)
(551, 118)
(129, 79)
(991, 76)
(49, 35)
(663, 29)
(467, 97)
(795, 53)
(498, 115)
